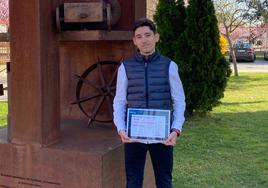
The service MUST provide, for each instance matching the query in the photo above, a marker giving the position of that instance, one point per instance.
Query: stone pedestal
(84, 158)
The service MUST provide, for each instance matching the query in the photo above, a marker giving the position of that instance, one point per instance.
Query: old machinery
(97, 15)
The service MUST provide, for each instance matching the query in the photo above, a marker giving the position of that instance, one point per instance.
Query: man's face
(145, 40)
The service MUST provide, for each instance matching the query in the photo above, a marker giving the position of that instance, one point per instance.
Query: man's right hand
(124, 137)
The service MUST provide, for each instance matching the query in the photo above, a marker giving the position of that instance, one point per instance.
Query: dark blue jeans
(162, 161)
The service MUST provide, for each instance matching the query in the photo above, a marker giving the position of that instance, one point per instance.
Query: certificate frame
(148, 125)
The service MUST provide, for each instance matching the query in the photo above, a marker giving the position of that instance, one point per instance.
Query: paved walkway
(257, 66)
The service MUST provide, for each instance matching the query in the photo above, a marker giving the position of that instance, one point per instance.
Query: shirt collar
(141, 58)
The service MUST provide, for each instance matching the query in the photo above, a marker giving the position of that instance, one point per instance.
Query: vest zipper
(146, 83)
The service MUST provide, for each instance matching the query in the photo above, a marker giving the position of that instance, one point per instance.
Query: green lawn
(258, 57)
(3, 114)
(229, 148)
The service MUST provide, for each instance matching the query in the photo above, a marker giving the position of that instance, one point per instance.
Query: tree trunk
(232, 53)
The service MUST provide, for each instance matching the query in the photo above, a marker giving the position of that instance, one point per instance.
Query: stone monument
(50, 142)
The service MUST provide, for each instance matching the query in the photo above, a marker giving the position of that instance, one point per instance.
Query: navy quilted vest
(148, 82)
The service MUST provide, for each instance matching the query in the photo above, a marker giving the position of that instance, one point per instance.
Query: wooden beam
(140, 9)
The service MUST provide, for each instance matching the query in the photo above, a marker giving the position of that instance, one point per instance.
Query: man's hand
(124, 137)
(171, 140)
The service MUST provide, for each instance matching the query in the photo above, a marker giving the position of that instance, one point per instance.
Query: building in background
(4, 24)
(258, 36)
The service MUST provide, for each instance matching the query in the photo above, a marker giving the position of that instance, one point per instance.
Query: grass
(3, 114)
(258, 57)
(229, 147)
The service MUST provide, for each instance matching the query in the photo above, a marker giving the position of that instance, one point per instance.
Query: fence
(4, 44)
(4, 52)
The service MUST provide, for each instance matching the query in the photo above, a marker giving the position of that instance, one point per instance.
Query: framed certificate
(148, 124)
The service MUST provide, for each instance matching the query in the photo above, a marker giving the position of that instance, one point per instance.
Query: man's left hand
(171, 140)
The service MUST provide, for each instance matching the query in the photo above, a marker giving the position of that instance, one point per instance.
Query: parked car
(265, 56)
(244, 52)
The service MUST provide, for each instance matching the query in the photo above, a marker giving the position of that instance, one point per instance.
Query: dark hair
(144, 22)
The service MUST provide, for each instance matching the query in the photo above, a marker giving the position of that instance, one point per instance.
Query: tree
(4, 13)
(151, 7)
(4, 20)
(257, 18)
(223, 44)
(203, 69)
(231, 14)
(169, 18)
(258, 10)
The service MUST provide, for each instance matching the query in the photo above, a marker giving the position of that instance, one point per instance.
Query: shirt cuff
(176, 127)
(120, 129)
(176, 131)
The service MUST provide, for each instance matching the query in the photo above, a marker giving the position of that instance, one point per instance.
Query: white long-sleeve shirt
(177, 96)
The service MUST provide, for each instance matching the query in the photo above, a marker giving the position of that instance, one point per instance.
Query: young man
(151, 81)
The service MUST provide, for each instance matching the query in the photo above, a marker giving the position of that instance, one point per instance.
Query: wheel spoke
(103, 83)
(89, 82)
(96, 109)
(114, 75)
(84, 99)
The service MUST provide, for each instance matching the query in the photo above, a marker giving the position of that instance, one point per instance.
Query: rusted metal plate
(83, 12)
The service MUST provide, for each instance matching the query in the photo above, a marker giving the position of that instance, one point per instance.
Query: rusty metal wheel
(95, 91)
